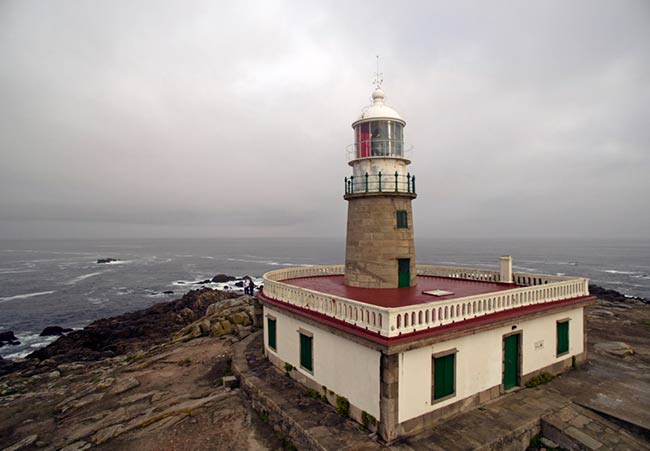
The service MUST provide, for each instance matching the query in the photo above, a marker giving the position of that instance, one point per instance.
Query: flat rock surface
(616, 379)
(170, 398)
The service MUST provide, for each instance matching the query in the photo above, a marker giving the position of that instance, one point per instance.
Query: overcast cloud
(202, 119)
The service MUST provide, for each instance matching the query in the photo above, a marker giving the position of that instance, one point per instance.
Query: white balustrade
(391, 322)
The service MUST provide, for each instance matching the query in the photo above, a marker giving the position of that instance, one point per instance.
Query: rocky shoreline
(161, 378)
(119, 335)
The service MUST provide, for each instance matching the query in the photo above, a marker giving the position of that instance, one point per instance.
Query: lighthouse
(380, 252)
(399, 346)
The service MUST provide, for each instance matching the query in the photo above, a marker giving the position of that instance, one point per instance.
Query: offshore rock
(8, 338)
(107, 260)
(52, 331)
(221, 278)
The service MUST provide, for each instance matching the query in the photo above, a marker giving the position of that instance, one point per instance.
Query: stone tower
(379, 247)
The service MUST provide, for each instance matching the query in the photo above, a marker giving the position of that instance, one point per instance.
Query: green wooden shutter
(402, 219)
(443, 373)
(306, 352)
(272, 333)
(562, 337)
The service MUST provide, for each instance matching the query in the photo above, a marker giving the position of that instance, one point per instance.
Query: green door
(510, 361)
(404, 272)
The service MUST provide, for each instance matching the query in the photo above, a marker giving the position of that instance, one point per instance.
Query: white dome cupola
(379, 131)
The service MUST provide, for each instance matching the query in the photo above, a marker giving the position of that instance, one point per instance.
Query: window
(444, 376)
(402, 219)
(272, 333)
(562, 337)
(306, 352)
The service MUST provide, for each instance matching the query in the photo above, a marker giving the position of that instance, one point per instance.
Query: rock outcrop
(613, 295)
(132, 331)
(107, 260)
(232, 316)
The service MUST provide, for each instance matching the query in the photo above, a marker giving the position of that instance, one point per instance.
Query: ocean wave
(29, 342)
(16, 271)
(642, 276)
(97, 301)
(83, 277)
(25, 296)
(265, 262)
(615, 271)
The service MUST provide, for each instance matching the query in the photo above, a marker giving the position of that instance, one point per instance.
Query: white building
(406, 344)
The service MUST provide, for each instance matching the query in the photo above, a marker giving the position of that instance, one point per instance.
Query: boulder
(53, 331)
(205, 326)
(227, 327)
(217, 329)
(107, 260)
(168, 292)
(221, 278)
(240, 318)
(203, 282)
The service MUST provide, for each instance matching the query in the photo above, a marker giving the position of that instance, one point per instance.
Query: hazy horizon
(213, 120)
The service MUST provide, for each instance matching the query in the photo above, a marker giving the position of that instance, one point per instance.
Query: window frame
(310, 336)
(558, 323)
(404, 216)
(270, 318)
(440, 355)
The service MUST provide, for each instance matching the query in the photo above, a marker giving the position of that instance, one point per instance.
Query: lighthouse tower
(379, 247)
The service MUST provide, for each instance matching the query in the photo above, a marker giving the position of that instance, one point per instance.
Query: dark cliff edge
(121, 334)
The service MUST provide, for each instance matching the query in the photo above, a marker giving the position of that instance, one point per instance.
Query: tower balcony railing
(395, 321)
(374, 147)
(380, 183)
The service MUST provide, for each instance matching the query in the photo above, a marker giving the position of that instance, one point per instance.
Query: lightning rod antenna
(379, 76)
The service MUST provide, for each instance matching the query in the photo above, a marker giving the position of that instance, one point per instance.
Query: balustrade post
(351, 184)
(413, 184)
(380, 181)
(408, 182)
(395, 181)
(346, 185)
(366, 182)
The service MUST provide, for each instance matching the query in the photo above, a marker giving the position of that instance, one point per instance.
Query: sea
(59, 282)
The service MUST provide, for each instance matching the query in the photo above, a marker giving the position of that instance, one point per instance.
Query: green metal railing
(380, 183)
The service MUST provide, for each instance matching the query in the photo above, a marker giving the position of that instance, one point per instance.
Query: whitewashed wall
(345, 367)
(479, 360)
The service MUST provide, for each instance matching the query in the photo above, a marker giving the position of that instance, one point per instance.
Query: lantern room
(379, 131)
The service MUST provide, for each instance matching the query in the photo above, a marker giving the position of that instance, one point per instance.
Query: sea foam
(25, 296)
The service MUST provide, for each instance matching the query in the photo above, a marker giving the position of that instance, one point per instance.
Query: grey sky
(199, 119)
